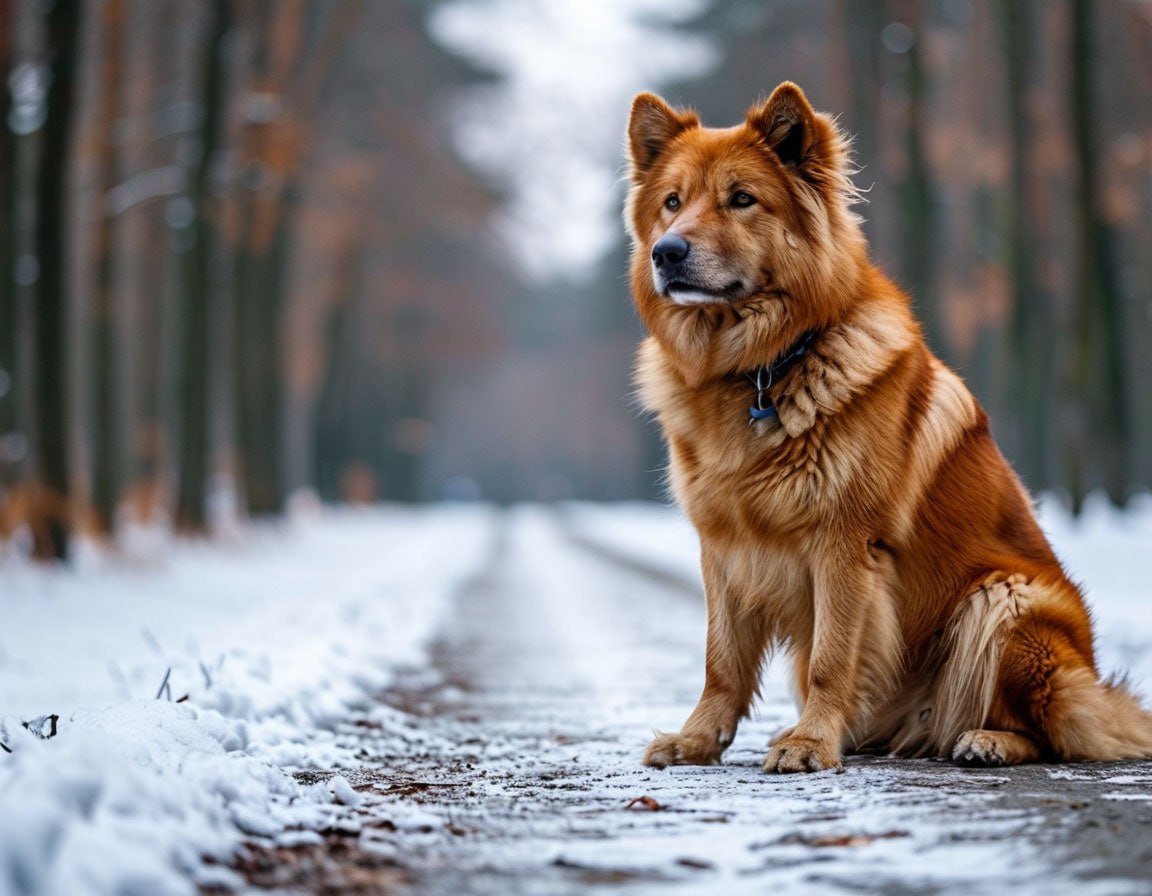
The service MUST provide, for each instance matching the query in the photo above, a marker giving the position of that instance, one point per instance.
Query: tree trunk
(1097, 374)
(108, 409)
(154, 59)
(270, 155)
(196, 287)
(275, 156)
(52, 442)
(9, 379)
(916, 195)
(258, 346)
(1030, 333)
(860, 23)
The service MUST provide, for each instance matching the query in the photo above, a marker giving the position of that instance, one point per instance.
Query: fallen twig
(841, 840)
(164, 686)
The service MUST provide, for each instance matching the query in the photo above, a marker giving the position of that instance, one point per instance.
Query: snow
(657, 532)
(275, 641)
(558, 652)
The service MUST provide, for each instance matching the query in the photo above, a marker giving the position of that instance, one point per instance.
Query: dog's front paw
(801, 754)
(682, 749)
(978, 748)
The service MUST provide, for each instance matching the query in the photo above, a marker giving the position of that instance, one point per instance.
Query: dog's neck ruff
(764, 376)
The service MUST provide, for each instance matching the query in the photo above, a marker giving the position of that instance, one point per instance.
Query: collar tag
(764, 409)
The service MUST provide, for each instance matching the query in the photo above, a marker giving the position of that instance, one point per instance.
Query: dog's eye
(741, 199)
(672, 203)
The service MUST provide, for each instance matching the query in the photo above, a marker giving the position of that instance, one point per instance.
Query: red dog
(851, 503)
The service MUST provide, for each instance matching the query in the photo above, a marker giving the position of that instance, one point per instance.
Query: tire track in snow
(628, 562)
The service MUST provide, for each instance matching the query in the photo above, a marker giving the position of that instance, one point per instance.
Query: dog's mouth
(683, 292)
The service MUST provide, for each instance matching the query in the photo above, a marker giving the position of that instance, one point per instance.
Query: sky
(552, 131)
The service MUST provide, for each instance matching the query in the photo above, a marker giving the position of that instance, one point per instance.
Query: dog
(852, 506)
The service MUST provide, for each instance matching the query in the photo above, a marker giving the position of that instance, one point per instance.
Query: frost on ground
(560, 659)
(275, 642)
(453, 701)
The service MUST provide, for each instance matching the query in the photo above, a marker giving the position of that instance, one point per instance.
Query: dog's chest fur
(731, 475)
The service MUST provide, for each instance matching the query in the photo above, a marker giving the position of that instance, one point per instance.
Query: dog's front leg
(735, 650)
(843, 593)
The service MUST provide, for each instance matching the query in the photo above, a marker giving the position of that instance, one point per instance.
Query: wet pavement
(511, 764)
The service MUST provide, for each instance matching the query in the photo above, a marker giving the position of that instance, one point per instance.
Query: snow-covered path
(512, 765)
(455, 700)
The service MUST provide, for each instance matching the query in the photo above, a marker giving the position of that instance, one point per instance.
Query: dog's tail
(1090, 719)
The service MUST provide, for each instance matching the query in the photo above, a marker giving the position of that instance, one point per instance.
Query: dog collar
(764, 376)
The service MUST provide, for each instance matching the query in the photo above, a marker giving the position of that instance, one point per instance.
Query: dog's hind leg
(1045, 698)
(1079, 717)
(735, 650)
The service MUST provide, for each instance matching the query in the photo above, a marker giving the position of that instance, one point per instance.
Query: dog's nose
(669, 249)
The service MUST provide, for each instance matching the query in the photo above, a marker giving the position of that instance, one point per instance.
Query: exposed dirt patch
(338, 866)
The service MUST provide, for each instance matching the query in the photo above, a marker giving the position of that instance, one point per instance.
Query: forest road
(512, 766)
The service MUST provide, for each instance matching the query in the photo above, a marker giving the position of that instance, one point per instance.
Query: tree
(50, 515)
(196, 292)
(287, 83)
(1030, 330)
(917, 200)
(1097, 373)
(8, 314)
(109, 411)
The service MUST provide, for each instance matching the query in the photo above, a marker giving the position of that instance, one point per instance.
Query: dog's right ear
(651, 127)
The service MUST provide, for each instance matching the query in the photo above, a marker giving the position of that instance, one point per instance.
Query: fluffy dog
(851, 504)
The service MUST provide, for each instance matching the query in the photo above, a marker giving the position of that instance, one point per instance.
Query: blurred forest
(247, 254)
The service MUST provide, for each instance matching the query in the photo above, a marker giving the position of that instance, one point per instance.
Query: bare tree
(108, 406)
(8, 314)
(50, 518)
(1097, 371)
(1028, 369)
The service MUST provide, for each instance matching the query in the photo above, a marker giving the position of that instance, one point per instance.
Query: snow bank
(274, 642)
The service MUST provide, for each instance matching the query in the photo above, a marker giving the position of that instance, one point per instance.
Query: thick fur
(873, 530)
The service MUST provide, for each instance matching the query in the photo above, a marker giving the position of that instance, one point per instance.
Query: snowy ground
(276, 643)
(455, 700)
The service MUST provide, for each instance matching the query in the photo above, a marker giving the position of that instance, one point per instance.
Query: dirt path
(511, 765)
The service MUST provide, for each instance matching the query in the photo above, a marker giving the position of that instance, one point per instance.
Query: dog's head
(723, 216)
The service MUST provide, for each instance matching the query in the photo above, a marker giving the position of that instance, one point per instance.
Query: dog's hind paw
(982, 747)
(978, 747)
(801, 754)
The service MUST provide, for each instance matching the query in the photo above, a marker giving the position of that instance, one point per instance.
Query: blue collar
(764, 376)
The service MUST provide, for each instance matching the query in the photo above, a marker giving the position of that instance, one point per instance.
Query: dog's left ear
(790, 126)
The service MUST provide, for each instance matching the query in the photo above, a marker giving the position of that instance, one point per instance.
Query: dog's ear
(790, 126)
(651, 127)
